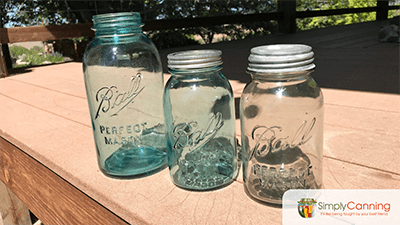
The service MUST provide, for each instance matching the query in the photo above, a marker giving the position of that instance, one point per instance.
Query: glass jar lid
(281, 58)
(194, 59)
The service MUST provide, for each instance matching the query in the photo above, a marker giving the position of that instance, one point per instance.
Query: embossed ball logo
(306, 207)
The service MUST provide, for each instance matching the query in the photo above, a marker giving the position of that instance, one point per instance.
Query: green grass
(33, 56)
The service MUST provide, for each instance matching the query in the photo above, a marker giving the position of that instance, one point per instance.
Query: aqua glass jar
(200, 121)
(281, 112)
(124, 86)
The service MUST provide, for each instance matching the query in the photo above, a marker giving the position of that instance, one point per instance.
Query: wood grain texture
(51, 198)
(339, 174)
(44, 33)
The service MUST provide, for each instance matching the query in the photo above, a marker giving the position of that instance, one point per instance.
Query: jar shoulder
(127, 54)
(96, 46)
(134, 41)
(306, 87)
(208, 82)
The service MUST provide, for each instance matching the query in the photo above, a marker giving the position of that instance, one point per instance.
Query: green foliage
(209, 8)
(39, 12)
(326, 21)
(29, 13)
(34, 56)
(33, 13)
(169, 39)
(16, 51)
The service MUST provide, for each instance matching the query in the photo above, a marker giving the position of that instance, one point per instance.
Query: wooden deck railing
(286, 16)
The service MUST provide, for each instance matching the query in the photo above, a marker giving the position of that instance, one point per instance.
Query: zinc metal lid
(194, 59)
(281, 58)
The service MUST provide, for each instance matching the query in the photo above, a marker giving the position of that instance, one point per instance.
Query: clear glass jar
(281, 112)
(200, 121)
(124, 85)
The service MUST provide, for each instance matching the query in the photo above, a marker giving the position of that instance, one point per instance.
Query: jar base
(206, 188)
(270, 196)
(207, 168)
(270, 176)
(134, 161)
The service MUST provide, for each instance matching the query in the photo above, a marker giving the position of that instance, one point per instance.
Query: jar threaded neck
(117, 23)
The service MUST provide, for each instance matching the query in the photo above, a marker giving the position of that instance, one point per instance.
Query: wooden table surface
(48, 157)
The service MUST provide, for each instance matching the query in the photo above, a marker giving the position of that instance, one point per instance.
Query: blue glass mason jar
(282, 116)
(124, 86)
(200, 121)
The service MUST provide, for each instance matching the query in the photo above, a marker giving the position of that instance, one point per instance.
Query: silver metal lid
(282, 58)
(194, 59)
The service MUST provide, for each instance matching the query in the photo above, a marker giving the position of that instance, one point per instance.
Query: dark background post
(288, 23)
(5, 57)
(383, 10)
(3, 67)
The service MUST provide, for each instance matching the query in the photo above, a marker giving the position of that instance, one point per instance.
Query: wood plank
(44, 33)
(359, 99)
(381, 122)
(12, 209)
(62, 104)
(342, 175)
(51, 198)
(367, 148)
(334, 35)
(347, 98)
(358, 69)
(64, 78)
(152, 199)
(354, 40)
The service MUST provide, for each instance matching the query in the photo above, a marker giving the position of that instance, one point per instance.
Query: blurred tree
(40, 12)
(30, 13)
(37, 12)
(208, 8)
(325, 21)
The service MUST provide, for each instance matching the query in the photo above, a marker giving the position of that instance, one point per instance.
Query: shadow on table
(28, 69)
(346, 69)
